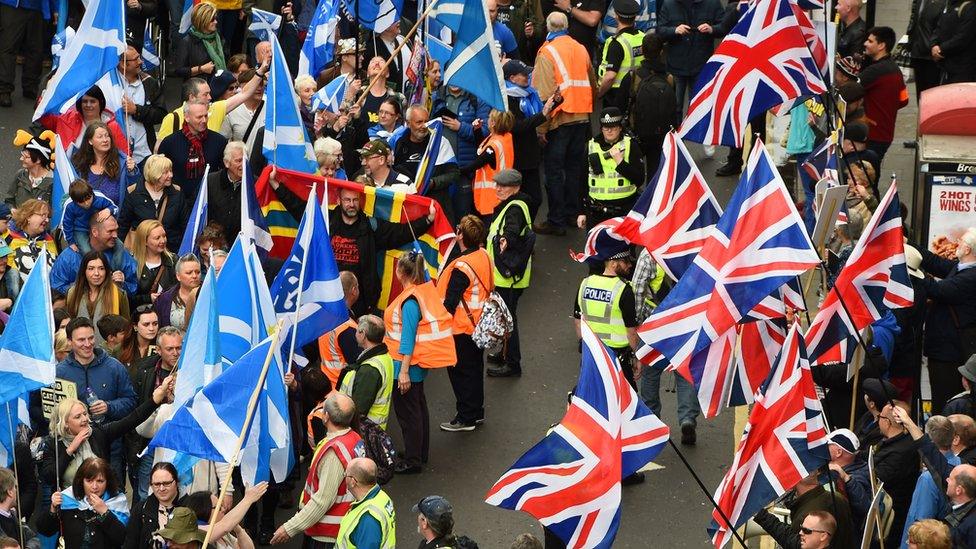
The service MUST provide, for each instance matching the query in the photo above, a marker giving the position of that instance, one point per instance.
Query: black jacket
(107, 532)
(224, 203)
(150, 284)
(833, 378)
(192, 53)
(896, 463)
(143, 521)
(176, 147)
(956, 36)
(953, 306)
(525, 140)
(818, 499)
(688, 53)
(138, 206)
(151, 113)
(852, 38)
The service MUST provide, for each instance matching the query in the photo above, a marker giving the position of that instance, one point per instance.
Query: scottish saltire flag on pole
(200, 362)
(150, 57)
(474, 63)
(763, 62)
(246, 313)
(64, 174)
(268, 450)
(264, 24)
(570, 481)
(784, 442)
(185, 22)
(253, 224)
(676, 212)
(330, 97)
(27, 344)
(286, 143)
(12, 414)
(112, 88)
(319, 46)
(438, 152)
(756, 247)
(308, 283)
(874, 279)
(375, 15)
(198, 217)
(100, 41)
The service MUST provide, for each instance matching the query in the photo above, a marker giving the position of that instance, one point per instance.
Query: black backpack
(379, 448)
(654, 107)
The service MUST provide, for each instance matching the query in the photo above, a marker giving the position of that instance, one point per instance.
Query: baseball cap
(438, 512)
(5, 211)
(846, 439)
(513, 67)
(376, 147)
(220, 82)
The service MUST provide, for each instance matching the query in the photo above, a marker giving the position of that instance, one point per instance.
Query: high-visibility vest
(495, 229)
(379, 412)
(485, 198)
(344, 447)
(570, 63)
(633, 55)
(609, 185)
(333, 361)
(434, 346)
(380, 507)
(599, 303)
(477, 266)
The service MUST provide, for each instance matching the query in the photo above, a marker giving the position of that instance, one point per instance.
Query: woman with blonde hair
(929, 534)
(202, 52)
(157, 198)
(61, 345)
(94, 295)
(155, 265)
(495, 153)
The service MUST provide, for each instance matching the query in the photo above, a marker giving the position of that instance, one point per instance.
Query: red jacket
(69, 127)
(884, 94)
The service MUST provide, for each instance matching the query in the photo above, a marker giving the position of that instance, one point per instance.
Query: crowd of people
(123, 298)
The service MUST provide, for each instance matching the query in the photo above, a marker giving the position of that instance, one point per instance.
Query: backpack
(379, 448)
(654, 107)
(495, 324)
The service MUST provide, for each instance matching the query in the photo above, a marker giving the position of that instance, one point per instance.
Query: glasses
(164, 484)
(807, 531)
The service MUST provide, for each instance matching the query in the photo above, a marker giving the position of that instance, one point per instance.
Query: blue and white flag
(309, 282)
(117, 504)
(286, 142)
(185, 22)
(319, 47)
(330, 97)
(64, 174)
(113, 90)
(150, 57)
(12, 414)
(198, 217)
(200, 362)
(474, 63)
(375, 15)
(27, 344)
(253, 224)
(244, 305)
(58, 43)
(264, 24)
(269, 446)
(101, 40)
(438, 49)
(438, 152)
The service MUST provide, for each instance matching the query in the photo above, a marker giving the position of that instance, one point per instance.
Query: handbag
(496, 323)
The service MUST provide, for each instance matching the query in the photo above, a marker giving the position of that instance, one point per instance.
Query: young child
(77, 214)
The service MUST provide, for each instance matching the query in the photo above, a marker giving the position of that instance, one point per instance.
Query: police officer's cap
(626, 8)
(611, 117)
(508, 178)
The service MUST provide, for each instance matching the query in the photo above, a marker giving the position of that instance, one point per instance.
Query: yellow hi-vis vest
(633, 55)
(380, 507)
(599, 303)
(379, 412)
(496, 228)
(609, 185)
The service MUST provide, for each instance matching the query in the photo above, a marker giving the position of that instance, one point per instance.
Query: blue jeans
(11, 278)
(565, 169)
(682, 87)
(688, 408)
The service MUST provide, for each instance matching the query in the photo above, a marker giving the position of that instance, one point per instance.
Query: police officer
(616, 169)
(622, 54)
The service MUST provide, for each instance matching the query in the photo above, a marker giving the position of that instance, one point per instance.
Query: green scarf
(215, 49)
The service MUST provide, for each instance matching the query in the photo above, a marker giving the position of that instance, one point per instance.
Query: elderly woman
(202, 53)
(71, 126)
(100, 161)
(34, 179)
(156, 198)
(305, 86)
(328, 154)
(155, 267)
(175, 305)
(28, 236)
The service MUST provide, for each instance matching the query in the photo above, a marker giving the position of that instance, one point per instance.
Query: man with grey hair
(927, 500)
(369, 380)
(582, 19)
(435, 522)
(326, 498)
(224, 191)
(193, 148)
(950, 325)
(407, 154)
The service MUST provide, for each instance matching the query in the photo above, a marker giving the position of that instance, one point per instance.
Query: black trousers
(757, 126)
(512, 355)
(21, 30)
(532, 186)
(927, 75)
(309, 543)
(414, 419)
(945, 381)
(651, 148)
(468, 380)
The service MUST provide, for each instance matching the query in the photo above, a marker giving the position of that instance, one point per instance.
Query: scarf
(81, 454)
(556, 34)
(118, 505)
(215, 49)
(195, 161)
(529, 100)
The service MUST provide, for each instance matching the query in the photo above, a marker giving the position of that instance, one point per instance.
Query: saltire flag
(254, 226)
(874, 279)
(286, 142)
(382, 204)
(112, 88)
(27, 345)
(330, 97)
(58, 43)
(198, 217)
(375, 15)
(437, 153)
(438, 49)
(675, 213)
(100, 43)
(309, 276)
(150, 57)
(319, 46)
(264, 24)
(474, 64)
(268, 451)
(784, 441)
(763, 62)
(117, 504)
(185, 22)
(570, 481)
(12, 414)
(245, 309)
(64, 175)
(757, 246)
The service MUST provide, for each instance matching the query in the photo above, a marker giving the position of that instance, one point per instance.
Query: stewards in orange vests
(338, 347)
(418, 337)
(465, 285)
(495, 153)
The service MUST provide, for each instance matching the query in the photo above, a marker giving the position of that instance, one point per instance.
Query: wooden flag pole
(251, 406)
(13, 451)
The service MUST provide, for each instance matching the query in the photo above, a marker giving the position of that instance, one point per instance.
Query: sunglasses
(807, 531)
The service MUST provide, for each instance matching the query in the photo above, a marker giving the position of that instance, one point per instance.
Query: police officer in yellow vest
(369, 380)
(616, 171)
(622, 54)
(370, 522)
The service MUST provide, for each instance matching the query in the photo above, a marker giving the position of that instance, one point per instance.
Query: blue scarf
(529, 100)
(556, 34)
(117, 504)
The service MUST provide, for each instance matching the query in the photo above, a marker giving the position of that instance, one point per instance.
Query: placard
(952, 208)
(51, 396)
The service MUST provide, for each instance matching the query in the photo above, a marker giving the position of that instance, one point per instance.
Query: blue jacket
(689, 52)
(76, 219)
(928, 501)
(65, 269)
(468, 108)
(46, 7)
(107, 378)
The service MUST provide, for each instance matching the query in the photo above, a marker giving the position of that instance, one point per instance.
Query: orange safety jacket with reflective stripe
(483, 187)
(477, 267)
(344, 447)
(434, 346)
(570, 70)
(333, 360)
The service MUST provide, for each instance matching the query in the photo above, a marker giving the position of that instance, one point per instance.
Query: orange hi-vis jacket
(434, 347)
(483, 187)
(477, 267)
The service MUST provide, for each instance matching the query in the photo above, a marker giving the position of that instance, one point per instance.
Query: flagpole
(301, 284)
(864, 345)
(251, 406)
(13, 452)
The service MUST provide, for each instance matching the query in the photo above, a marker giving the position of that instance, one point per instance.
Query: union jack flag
(570, 481)
(597, 237)
(675, 213)
(758, 245)
(784, 441)
(874, 279)
(763, 62)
